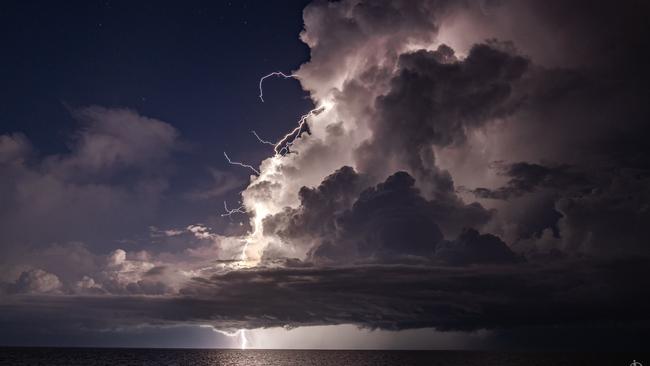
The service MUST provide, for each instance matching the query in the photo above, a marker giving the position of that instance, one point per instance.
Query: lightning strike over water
(240, 164)
(241, 333)
(242, 338)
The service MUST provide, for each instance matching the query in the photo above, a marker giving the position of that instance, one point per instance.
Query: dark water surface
(146, 357)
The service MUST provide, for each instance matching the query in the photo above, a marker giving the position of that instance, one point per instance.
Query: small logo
(635, 363)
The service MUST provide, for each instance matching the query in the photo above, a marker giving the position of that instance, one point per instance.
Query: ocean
(179, 357)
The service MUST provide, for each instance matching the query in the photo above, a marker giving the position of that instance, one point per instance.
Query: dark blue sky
(195, 66)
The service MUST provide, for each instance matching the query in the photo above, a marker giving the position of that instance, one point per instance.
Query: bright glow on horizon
(348, 336)
(241, 333)
(243, 340)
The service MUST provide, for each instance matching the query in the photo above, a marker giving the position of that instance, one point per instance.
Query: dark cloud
(573, 153)
(316, 216)
(574, 34)
(433, 101)
(343, 223)
(611, 219)
(565, 295)
(144, 287)
(386, 221)
(402, 296)
(473, 248)
(528, 177)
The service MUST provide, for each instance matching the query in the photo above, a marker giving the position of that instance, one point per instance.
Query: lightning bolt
(257, 210)
(240, 209)
(262, 140)
(275, 73)
(242, 339)
(240, 164)
(282, 147)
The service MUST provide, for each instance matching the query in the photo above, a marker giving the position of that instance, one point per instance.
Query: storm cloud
(517, 298)
(462, 173)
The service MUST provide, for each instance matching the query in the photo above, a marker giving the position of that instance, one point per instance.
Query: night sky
(195, 66)
(426, 174)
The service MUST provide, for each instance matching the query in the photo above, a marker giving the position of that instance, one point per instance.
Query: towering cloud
(498, 122)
